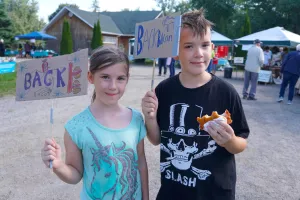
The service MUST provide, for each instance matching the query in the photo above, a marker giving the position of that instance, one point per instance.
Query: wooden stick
(51, 128)
(153, 71)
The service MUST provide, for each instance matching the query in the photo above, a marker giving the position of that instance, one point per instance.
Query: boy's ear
(212, 45)
(90, 77)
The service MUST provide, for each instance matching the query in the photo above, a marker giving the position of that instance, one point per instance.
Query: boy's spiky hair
(196, 21)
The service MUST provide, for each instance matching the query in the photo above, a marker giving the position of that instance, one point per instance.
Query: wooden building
(117, 27)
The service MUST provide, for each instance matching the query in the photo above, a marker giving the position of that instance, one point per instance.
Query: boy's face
(194, 51)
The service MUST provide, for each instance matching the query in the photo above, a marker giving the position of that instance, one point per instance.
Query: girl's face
(110, 83)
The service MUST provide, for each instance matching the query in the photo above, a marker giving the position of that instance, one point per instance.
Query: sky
(47, 7)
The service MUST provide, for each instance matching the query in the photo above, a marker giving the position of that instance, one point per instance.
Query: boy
(195, 164)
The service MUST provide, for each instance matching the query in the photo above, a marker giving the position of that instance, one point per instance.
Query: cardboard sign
(56, 77)
(264, 76)
(158, 38)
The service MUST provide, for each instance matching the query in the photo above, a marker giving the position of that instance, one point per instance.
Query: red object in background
(222, 51)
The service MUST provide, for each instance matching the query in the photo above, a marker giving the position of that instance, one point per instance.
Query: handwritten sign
(238, 60)
(57, 77)
(264, 76)
(157, 38)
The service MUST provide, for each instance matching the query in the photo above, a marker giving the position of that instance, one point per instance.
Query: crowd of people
(284, 65)
(24, 50)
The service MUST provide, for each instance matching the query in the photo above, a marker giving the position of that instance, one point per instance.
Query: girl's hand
(51, 151)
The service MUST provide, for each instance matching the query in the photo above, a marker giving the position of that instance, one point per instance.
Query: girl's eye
(121, 78)
(105, 77)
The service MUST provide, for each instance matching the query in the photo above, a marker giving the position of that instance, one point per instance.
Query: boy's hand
(221, 132)
(51, 151)
(150, 105)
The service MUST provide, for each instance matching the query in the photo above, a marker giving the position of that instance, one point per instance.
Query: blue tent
(36, 35)
(273, 36)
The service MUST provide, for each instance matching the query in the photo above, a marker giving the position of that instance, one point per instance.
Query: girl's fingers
(49, 147)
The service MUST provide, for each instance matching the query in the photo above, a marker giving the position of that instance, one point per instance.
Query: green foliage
(23, 15)
(246, 29)
(5, 25)
(99, 41)
(97, 36)
(66, 43)
(237, 18)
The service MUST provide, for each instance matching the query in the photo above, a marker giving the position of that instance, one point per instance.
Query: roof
(126, 20)
(115, 23)
(272, 36)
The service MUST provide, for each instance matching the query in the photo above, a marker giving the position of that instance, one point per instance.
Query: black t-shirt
(192, 165)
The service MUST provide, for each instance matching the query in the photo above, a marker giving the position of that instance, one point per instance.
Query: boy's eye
(188, 46)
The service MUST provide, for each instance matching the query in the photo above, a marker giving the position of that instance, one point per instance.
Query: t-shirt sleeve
(74, 129)
(143, 132)
(239, 122)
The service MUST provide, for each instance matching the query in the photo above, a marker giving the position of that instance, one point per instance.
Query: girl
(104, 143)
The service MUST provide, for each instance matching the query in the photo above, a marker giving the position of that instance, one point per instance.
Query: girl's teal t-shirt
(109, 156)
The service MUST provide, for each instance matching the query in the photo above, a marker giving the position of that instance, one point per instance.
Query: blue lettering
(37, 78)
(27, 82)
(47, 82)
(60, 79)
(140, 35)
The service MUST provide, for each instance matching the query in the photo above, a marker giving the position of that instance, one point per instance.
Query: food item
(214, 115)
(76, 87)
(77, 72)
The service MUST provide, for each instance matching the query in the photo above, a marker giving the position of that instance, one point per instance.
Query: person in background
(276, 57)
(267, 57)
(172, 67)
(255, 60)
(27, 50)
(162, 63)
(2, 48)
(20, 50)
(291, 73)
(210, 66)
(284, 53)
(214, 62)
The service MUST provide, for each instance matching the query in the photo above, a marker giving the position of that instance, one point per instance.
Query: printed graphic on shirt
(113, 166)
(181, 145)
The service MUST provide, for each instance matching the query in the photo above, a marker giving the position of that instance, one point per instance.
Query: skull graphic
(182, 154)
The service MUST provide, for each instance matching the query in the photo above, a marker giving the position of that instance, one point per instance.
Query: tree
(98, 39)
(219, 12)
(166, 6)
(70, 40)
(246, 28)
(24, 16)
(182, 7)
(61, 7)
(95, 6)
(93, 44)
(5, 25)
(66, 43)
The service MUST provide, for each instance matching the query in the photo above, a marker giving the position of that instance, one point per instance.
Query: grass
(8, 84)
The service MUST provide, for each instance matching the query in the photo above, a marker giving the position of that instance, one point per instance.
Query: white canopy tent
(219, 39)
(273, 36)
